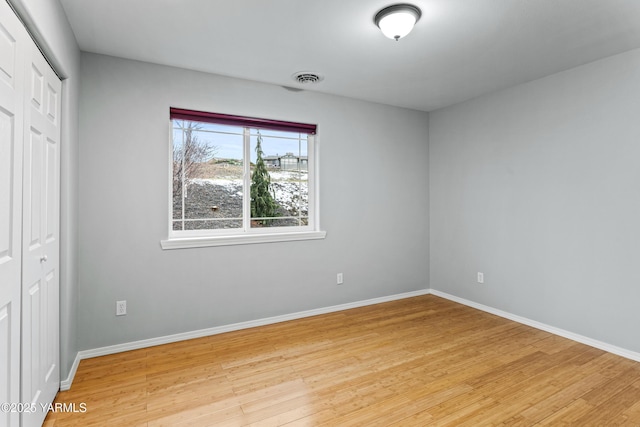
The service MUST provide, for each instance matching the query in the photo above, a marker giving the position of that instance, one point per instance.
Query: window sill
(245, 239)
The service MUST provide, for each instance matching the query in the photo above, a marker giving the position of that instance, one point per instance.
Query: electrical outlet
(121, 308)
(480, 277)
(339, 279)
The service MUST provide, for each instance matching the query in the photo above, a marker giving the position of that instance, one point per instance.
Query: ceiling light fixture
(397, 21)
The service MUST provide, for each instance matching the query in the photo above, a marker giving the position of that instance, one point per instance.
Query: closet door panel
(40, 264)
(30, 95)
(13, 38)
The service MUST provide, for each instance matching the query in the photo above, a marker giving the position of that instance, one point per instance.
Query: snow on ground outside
(289, 193)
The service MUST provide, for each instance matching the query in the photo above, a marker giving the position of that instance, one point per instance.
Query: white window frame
(178, 239)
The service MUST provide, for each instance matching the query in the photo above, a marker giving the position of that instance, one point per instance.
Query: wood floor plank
(413, 362)
(563, 397)
(612, 408)
(568, 415)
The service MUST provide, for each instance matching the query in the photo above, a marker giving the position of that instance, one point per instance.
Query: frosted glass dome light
(397, 21)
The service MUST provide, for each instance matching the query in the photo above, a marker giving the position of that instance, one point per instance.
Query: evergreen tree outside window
(258, 185)
(263, 201)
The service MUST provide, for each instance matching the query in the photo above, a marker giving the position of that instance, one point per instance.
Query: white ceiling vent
(307, 77)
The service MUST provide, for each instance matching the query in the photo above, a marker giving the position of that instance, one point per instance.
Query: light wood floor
(422, 361)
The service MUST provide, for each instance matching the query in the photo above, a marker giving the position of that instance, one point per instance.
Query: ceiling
(459, 49)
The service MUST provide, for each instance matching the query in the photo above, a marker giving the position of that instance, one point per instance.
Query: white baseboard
(118, 348)
(538, 325)
(66, 383)
(102, 351)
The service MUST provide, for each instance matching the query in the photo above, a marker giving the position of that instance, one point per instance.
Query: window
(237, 180)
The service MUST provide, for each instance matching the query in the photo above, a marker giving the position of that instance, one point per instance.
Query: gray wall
(48, 23)
(538, 186)
(374, 210)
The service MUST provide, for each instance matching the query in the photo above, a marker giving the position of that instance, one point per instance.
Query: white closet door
(40, 242)
(13, 38)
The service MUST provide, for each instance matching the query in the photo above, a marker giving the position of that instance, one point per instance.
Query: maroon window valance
(228, 119)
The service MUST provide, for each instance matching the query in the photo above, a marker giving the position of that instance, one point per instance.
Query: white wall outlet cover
(121, 308)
